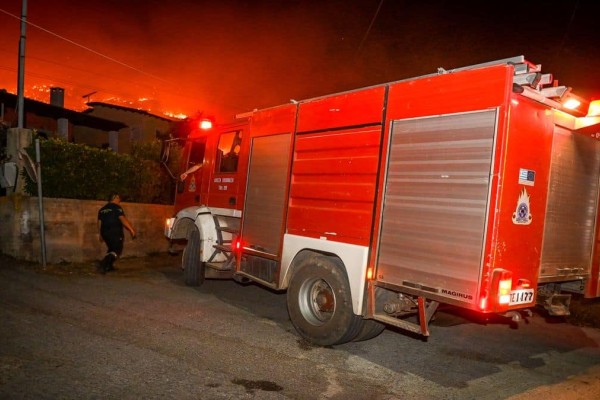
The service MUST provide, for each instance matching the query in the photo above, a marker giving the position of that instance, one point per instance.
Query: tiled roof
(56, 112)
(122, 108)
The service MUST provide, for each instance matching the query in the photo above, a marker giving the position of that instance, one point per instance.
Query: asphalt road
(69, 333)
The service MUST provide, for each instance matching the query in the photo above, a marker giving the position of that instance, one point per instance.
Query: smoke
(231, 56)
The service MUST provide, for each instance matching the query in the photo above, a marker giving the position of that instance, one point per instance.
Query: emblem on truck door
(522, 215)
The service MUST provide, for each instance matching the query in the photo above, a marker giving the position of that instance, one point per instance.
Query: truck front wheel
(320, 304)
(193, 268)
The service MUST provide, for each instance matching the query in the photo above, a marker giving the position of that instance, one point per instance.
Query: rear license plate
(521, 296)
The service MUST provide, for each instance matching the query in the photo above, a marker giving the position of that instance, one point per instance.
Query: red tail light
(237, 245)
(500, 291)
(504, 288)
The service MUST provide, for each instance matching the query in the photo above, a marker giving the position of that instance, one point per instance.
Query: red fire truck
(475, 187)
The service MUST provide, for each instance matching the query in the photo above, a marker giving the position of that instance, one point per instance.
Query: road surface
(68, 332)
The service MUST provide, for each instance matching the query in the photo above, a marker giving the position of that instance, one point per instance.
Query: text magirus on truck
(475, 188)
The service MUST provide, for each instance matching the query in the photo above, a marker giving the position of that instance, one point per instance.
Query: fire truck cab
(209, 199)
(475, 187)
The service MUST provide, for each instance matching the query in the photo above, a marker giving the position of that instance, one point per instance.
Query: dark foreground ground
(67, 332)
(584, 312)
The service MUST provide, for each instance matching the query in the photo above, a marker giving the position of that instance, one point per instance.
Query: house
(53, 120)
(143, 126)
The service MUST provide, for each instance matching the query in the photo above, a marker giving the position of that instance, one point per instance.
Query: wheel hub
(317, 301)
(324, 300)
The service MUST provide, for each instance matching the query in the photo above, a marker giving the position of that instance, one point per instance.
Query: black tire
(320, 304)
(369, 330)
(372, 328)
(193, 268)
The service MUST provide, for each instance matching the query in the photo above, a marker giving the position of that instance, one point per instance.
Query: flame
(524, 197)
(175, 115)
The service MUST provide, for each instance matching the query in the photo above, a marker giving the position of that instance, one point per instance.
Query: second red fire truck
(475, 187)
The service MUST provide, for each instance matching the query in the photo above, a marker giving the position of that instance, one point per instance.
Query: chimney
(57, 96)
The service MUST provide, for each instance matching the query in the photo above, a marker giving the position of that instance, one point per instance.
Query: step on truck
(475, 187)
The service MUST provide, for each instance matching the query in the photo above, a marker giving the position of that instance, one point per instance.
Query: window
(196, 153)
(228, 151)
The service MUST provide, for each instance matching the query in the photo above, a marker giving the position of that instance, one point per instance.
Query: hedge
(77, 171)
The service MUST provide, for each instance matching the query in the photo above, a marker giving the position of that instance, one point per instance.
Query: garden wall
(71, 230)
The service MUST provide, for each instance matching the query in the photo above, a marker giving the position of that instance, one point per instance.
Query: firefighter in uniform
(111, 220)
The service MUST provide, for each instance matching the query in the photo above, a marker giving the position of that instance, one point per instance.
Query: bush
(76, 171)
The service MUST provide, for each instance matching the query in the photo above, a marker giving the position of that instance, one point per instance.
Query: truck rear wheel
(372, 328)
(369, 330)
(320, 303)
(193, 268)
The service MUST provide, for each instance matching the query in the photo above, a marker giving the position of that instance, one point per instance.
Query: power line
(566, 34)
(87, 48)
(81, 70)
(226, 104)
(362, 42)
(105, 90)
(179, 93)
(89, 86)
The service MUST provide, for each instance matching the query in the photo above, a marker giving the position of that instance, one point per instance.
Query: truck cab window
(228, 151)
(196, 153)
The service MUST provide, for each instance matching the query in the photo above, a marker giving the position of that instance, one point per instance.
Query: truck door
(225, 183)
(435, 205)
(569, 229)
(265, 206)
(189, 187)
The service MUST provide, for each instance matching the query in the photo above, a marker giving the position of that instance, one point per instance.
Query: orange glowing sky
(230, 56)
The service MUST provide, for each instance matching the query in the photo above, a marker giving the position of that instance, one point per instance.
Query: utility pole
(21, 77)
(20, 118)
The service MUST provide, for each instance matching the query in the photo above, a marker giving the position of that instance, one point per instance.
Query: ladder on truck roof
(528, 80)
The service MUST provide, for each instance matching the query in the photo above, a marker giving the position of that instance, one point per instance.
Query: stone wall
(71, 229)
